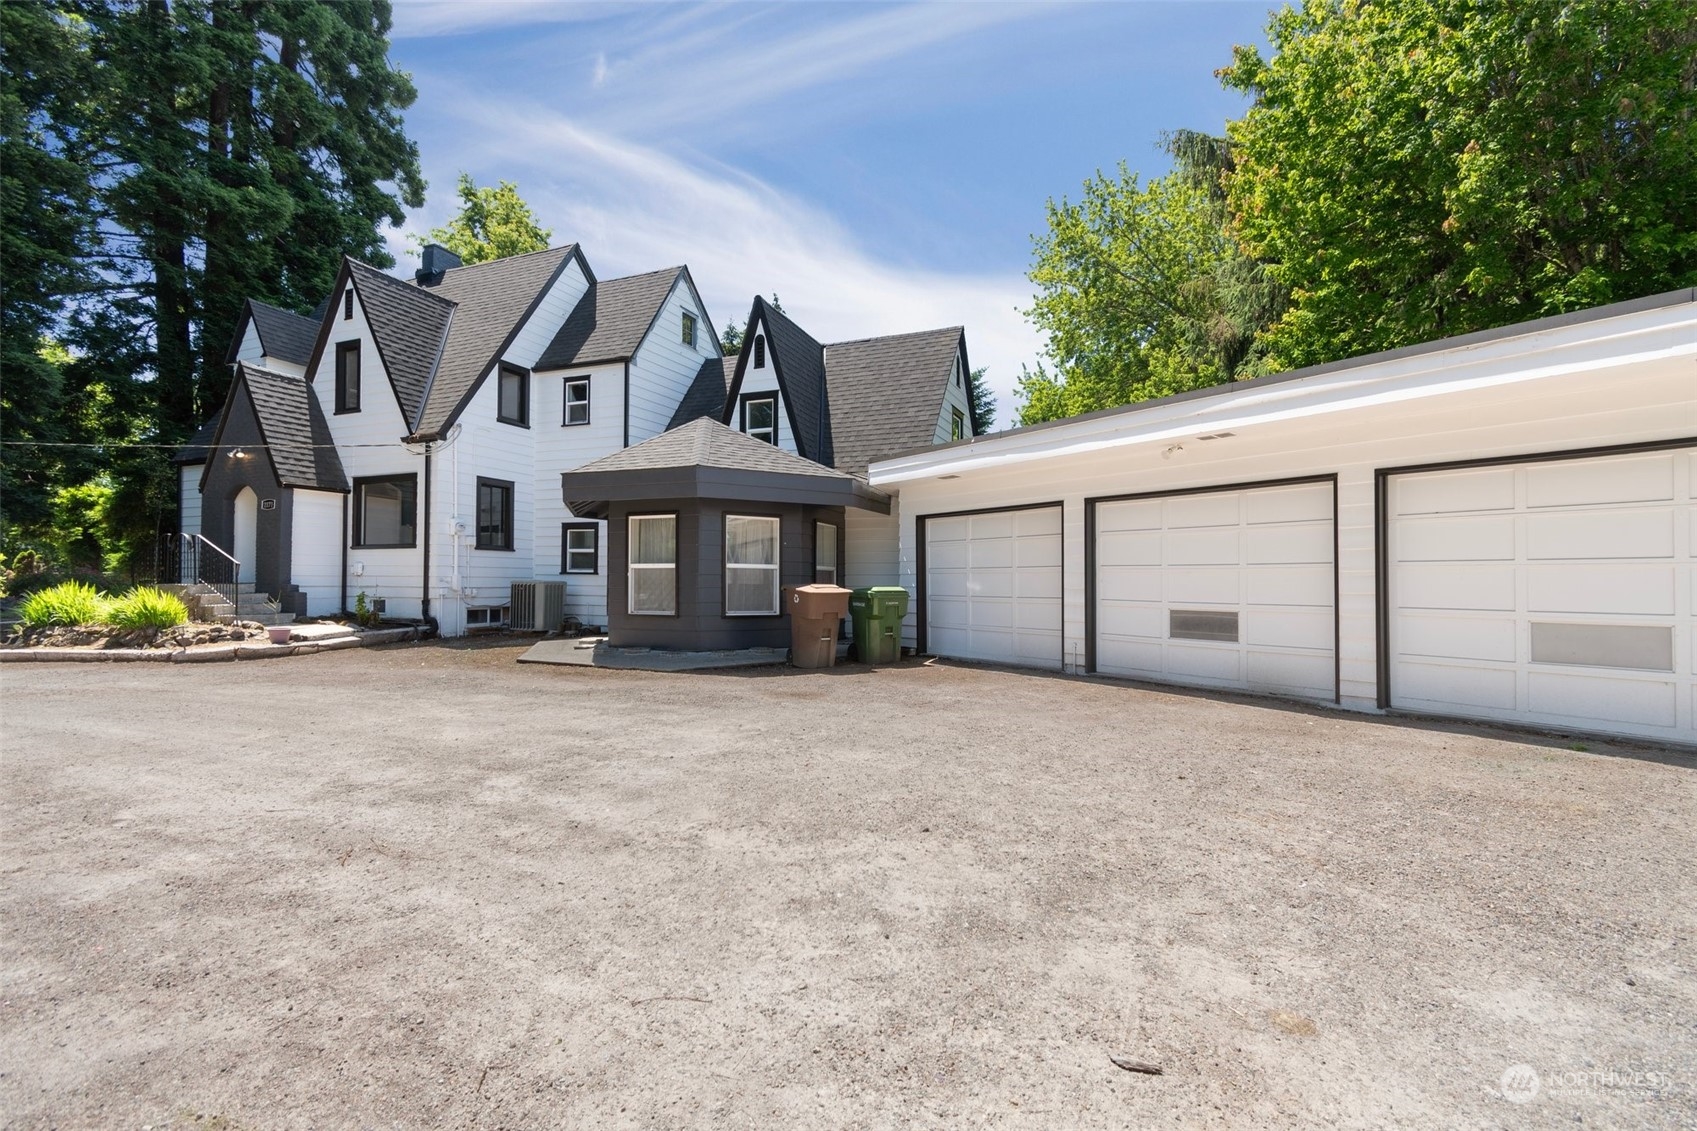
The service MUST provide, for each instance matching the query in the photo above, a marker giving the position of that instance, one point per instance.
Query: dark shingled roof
(610, 320)
(409, 323)
(284, 334)
(491, 299)
(887, 393)
(706, 443)
(706, 394)
(199, 446)
(297, 437)
(800, 362)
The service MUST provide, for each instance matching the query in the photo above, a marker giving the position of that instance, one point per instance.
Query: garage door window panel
(1641, 647)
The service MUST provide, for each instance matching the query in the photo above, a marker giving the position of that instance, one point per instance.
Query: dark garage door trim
(1216, 489)
(922, 613)
(1382, 528)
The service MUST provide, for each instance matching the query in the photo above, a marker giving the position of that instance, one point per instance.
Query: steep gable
(610, 321)
(295, 436)
(410, 325)
(283, 334)
(798, 362)
(886, 393)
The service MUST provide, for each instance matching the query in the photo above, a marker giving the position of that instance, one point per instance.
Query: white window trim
(631, 567)
(777, 560)
(688, 329)
(761, 433)
(836, 547)
(566, 420)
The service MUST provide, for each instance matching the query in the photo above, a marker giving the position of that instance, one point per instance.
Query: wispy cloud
(636, 208)
(421, 18)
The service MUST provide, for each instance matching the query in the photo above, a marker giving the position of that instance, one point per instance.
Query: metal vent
(1202, 624)
(538, 606)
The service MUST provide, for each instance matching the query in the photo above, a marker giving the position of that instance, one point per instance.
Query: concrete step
(267, 618)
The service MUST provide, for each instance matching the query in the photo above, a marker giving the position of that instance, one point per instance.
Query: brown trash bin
(815, 612)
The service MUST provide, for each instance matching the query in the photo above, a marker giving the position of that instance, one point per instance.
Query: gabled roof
(887, 393)
(492, 301)
(410, 324)
(799, 363)
(610, 320)
(283, 334)
(705, 459)
(199, 446)
(296, 437)
(706, 394)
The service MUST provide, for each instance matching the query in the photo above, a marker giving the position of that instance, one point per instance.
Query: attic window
(957, 424)
(760, 351)
(347, 377)
(760, 418)
(348, 303)
(513, 405)
(689, 329)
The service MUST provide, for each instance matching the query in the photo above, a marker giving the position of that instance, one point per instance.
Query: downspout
(346, 538)
(627, 402)
(424, 602)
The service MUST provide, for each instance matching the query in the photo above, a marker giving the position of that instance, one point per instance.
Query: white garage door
(1224, 589)
(1558, 593)
(993, 587)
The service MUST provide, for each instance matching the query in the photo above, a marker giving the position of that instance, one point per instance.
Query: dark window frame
(566, 403)
(566, 530)
(502, 372)
(344, 350)
(742, 418)
(357, 542)
(479, 541)
(687, 328)
(957, 424)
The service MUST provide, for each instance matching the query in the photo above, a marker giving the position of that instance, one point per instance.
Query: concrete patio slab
(595, 652)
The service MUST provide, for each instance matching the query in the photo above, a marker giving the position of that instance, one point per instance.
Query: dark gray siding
(225, 477)
(700, 624)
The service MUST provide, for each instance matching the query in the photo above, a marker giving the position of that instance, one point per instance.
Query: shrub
(69, 602)
(146, 607)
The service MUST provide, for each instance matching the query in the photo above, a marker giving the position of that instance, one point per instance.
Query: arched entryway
(245, 532)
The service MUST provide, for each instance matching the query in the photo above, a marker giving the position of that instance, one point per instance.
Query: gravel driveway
(424, 886)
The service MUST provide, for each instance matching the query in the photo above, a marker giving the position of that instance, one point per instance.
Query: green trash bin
(877, 612)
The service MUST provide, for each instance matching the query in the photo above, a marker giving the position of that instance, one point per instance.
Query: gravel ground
(424, 886)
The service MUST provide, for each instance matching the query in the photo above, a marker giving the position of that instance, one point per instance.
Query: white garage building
(1499, 526)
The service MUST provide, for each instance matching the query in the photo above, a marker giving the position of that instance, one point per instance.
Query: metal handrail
(186, 559)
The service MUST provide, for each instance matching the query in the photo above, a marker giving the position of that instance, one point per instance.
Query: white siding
(663, 367)
(278, 365)
(316, 550)
(564, 447)
(369, 443)
(252, 350)
(548, 317)
(763, 380)
(955, 399)
(188, 518)
(1585, 405)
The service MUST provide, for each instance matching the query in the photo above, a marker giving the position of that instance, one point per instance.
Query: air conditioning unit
(537, 606)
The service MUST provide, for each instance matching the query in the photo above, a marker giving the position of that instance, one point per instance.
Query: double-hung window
(386, 511)
(653, 574)
(514, 399)
(751, 566)
(760, 418)
(494, 514)
(580, 547)
(577, 402)
(689, 329)
(824, 553)
(347, 376)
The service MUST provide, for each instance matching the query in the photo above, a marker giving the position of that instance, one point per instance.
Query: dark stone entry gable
(226, 475)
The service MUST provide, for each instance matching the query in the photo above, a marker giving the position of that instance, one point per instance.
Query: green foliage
(493, 223)
(364, 614)
(147, 607)
(1413, 169)
(983, 402)
(731, 337)
(1142, 293)
(68, 603)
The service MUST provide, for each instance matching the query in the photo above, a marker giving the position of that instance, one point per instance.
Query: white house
(406, 442)
(1497, 526)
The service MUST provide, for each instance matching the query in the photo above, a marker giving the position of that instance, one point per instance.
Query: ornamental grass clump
(68, 603)
(146, 607)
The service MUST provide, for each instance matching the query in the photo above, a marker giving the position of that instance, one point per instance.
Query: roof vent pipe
(437, 259)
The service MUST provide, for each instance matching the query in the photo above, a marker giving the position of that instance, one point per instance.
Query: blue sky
(881, 167)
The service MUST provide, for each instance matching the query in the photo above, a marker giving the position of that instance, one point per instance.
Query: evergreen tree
(983, 402)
